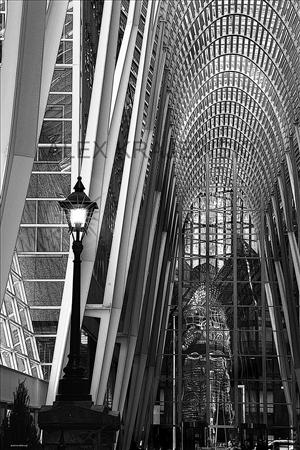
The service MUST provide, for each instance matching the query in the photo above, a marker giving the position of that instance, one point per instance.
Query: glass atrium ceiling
(234, 73)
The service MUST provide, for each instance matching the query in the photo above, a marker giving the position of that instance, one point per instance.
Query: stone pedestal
(78, 425)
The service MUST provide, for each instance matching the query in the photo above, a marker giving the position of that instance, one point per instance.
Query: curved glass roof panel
(234, 69)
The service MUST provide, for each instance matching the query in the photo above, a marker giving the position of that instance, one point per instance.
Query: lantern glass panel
(78, 218)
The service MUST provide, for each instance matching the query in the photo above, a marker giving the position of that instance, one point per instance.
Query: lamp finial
(79, 185)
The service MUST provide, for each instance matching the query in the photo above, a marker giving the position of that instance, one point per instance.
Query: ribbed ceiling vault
(234, 77)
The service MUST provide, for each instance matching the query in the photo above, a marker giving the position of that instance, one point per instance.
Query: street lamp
(78, 209)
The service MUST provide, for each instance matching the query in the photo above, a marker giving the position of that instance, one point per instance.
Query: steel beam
(235, 289)
(294, 247)
(279, 276)
(148, 310)
(276, 322)
(138, 298)
(120, 253)
(284, 284)
(76, 92)
(145, 401)
(144, 338)
(156, 330)
(280, 350)
(166, 314)
(293, 176)
(287, 207)
(263, 307)
(207, 286)
(145, 239)
(179, 325)
(297, 131)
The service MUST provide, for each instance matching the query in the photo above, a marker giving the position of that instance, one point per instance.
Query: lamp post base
(74, 386)
(73, 389)
(78, 425)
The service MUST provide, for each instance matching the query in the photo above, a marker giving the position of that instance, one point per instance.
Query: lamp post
(73, 420)
(78, 209)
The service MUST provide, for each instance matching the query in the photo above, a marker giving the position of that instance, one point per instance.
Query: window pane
(46, 348)
(29, 212)
(62, 80)
(3, 340)
(6, 358)
(49, 185)
(26, 239)
(43, 267)
(22, 367)
(44, 292)
(49, 239)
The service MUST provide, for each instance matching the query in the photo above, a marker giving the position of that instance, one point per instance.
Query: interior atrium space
(150, 222)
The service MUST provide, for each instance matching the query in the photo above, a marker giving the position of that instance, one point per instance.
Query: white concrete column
(20, 93)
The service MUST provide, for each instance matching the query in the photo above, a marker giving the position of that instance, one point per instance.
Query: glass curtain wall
(43, 240)
(18, 349)
(237, 365)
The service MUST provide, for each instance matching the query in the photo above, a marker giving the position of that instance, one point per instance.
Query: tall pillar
(179, 337)
(207, 287)
(235, 291)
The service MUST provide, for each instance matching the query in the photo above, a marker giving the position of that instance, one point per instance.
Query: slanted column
(207, 286)
(287, 208)
(297, 131)
(20, 93)
(156, 331)
(276, 323)
(179, 337)
(235, 289)
(284, 283)
(293, 176)
(263, 306)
